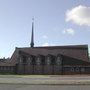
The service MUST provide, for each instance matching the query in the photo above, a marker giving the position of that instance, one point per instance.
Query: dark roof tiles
(76, 51)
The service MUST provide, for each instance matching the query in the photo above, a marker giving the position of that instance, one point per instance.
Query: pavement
(43, 87)
(45, 79)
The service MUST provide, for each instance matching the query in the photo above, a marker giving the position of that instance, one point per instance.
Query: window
(38, 60)
(24, 59)
(7, 67)
(72, 69)
(48, 60)
(1, 67)
(58, 60)
(20, 60)
(82, 69)
(77, 69)
(30, 60)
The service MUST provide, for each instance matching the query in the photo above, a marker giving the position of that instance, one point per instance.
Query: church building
(48, 60)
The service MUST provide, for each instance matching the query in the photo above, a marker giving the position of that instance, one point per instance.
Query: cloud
(45, 37)
(45, 44)
(79, 15)
(69, 31)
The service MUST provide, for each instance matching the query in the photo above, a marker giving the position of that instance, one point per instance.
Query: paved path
(45, 79)
(43, 87)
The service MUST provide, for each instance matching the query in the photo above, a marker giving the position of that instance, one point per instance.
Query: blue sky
(56, 22)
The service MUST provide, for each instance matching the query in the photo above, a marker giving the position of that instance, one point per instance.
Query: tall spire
(32, 35)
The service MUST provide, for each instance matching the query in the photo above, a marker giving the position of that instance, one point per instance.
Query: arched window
(58, 60)
(48, 60)
(38, 60)
(30, 60)
(24, 59)
(20, 59)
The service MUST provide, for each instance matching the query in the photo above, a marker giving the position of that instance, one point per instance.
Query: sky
(56, 23)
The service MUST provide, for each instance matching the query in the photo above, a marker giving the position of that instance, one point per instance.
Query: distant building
(54, 60)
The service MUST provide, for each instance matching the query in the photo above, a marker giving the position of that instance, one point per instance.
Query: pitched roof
(75, 51)
(5, 62)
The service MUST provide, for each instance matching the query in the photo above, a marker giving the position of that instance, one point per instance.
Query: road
(43, 87)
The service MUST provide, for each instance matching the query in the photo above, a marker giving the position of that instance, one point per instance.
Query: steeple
(32, 35)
